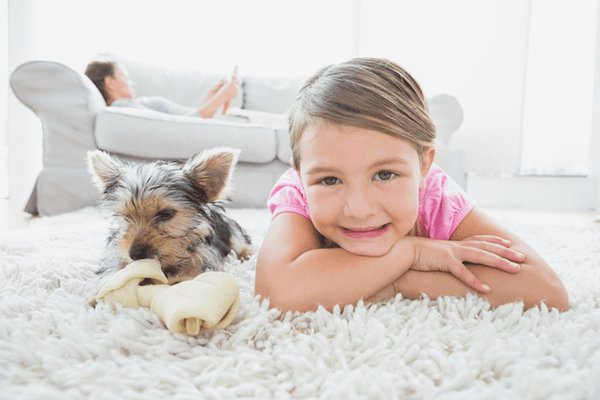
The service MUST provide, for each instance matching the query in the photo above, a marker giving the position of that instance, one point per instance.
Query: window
(560, 80)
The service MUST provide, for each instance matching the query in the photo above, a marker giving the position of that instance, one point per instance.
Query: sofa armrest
(66, 102)
(447, 115)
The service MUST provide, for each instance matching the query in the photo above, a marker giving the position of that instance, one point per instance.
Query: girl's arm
(297, 274)
(535, 282)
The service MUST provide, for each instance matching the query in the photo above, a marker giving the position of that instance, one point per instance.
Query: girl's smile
(362, 186)
(366, 233)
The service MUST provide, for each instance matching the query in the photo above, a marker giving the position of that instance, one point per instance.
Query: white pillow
(269, 94)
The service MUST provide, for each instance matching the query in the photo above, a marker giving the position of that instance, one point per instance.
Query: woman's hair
(98, 70)
(367, 93)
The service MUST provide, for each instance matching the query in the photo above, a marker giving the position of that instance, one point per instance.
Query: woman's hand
(449, 256)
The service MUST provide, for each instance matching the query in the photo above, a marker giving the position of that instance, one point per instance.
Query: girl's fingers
(463, 273)
(489, 257)
(490, 239)
(497, 249)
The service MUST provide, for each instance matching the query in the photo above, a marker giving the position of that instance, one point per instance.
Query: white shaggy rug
(54, 346)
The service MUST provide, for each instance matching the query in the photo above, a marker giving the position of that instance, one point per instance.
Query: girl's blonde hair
(369, 93)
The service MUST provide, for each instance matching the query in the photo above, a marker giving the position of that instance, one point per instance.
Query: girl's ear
(428, 157)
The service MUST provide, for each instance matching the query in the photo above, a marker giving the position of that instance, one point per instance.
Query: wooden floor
(12, 216)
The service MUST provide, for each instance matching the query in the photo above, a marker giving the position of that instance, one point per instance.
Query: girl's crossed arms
(365, 214)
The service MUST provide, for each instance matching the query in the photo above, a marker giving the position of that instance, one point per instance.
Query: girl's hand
(449, 256)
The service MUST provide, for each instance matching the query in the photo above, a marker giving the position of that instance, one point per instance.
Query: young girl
(365, 214)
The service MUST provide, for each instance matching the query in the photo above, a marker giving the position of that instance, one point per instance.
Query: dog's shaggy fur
(170, 212)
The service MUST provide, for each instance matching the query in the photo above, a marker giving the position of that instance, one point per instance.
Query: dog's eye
(165, 215)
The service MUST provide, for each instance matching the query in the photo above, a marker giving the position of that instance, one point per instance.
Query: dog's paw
(246, 253)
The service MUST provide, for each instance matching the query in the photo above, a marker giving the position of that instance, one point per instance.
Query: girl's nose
(360, 204)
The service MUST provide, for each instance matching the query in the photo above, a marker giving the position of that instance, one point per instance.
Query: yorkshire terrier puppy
(170, 212)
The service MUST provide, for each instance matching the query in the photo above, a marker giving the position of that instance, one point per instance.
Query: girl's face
(362, 186)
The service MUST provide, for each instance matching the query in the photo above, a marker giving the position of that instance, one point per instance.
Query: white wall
(594, 148)
(3, 97)
(263, 37)
(24, 128)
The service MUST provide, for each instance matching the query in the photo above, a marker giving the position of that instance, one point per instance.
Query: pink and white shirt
(442, 204)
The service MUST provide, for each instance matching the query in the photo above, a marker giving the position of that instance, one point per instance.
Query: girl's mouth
(367, 233)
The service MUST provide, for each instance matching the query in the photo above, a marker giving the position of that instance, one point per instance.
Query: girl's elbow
(282, 298)
(557, 298)
(262, 290)
(553, 295)
(278, 287)
(276, 301)
(276, 298)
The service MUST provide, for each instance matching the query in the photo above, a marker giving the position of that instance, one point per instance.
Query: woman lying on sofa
(117, 88)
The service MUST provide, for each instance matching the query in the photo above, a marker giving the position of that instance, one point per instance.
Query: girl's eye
(329, 181)
(384, 175)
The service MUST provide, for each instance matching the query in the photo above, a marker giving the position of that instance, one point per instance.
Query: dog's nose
(140, 252)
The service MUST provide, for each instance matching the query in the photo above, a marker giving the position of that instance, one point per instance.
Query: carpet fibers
(54, 346)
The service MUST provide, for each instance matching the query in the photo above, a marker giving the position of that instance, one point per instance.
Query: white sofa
(76, 119)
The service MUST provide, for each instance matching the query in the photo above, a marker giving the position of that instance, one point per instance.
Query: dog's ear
(103, 167)
(212, 170)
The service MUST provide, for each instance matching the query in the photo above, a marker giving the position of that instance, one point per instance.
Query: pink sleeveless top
(442, 203)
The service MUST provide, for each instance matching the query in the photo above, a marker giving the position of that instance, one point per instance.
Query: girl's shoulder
(288, 195)
(442, 205)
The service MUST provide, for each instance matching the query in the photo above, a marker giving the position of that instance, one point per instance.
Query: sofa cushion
(152, 134)
(186, 87)
(284, 151)
(269, 94)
